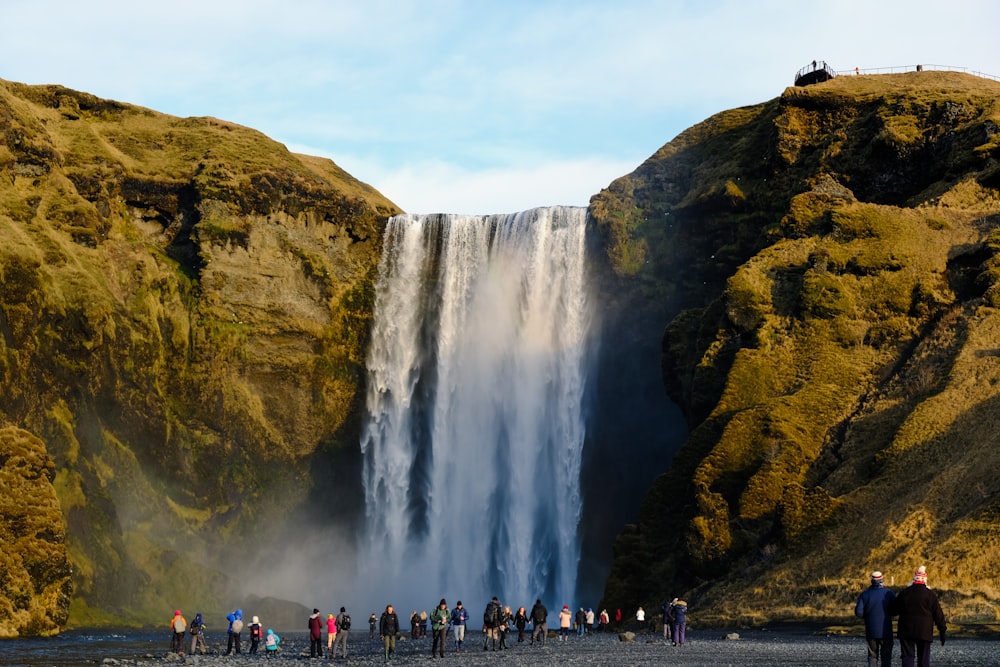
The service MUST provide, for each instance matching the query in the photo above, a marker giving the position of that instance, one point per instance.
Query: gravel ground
(708, 649)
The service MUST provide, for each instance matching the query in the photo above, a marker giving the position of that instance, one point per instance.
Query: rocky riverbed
(708, 649)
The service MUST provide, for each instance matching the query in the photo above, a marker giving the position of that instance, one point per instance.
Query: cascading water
(477, 367)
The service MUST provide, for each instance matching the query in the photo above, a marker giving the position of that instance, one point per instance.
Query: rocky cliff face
(830, 259)
(184, 315)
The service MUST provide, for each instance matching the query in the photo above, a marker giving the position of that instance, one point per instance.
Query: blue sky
(476, 106)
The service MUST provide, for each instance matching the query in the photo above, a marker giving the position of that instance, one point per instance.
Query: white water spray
(476, 386)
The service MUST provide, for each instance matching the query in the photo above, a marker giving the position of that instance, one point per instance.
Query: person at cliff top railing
(459, 618)
(197, 634)
(235, 619)
(873, 606)
(919, 611)
(178, 624)
(678, 620)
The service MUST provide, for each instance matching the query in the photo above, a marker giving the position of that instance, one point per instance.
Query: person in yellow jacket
(178, 624)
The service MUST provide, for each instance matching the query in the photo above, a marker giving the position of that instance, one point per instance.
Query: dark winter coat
(873, 606)
(539, 614)
(388, 625)
(315, 627)
(919, 611)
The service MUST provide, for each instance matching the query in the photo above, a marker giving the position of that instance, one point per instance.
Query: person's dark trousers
(315, 648)
(234, 642)
(914, 649)
(538, 634)
(438, 645)
(880, 652)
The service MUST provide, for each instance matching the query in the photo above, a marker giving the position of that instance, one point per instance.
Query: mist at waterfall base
(477, 385)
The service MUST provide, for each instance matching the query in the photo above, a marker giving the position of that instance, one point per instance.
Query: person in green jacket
(439, 625)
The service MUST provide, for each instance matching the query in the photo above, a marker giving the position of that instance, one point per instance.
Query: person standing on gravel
(565, 619)
(439, 626)
(343, 631)
(388, 628)
(873, 606)
(520, 622)
(919, 611)
(459, 617)
(678, 620)
(539, 618)
(640, 618)
(372, 622)
(315, 635)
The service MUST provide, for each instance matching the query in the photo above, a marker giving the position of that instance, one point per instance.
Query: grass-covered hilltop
(185, 308)
(183, 321)
(832, 261)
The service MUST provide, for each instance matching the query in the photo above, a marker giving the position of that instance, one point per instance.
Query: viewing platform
(814, 73)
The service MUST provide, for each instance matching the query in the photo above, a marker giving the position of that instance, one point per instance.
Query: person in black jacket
(389, 628)
(919, 611)
(539, 617)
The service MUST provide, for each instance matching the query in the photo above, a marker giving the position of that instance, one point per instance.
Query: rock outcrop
(36, 586)
(830, 259)
(183, 323)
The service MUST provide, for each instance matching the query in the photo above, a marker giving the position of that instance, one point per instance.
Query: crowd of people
(916, 607)
(499, 621)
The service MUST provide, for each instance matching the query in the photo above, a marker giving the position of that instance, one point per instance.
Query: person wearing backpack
(197, 630)
(271, 643)
(256, 634)
(539, 617)
(343, 629)
(178, 624)
(235, 619)
(491, 623)
(439, 626)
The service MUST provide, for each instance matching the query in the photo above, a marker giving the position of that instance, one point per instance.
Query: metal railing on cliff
(915, 68)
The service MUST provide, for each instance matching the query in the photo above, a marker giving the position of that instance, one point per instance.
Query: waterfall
(477, 367)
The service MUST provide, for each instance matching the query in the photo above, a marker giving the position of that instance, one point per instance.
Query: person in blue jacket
(873, 606)
(459, 617)
(235, 628)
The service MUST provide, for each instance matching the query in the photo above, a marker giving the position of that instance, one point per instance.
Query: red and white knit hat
(921, 576)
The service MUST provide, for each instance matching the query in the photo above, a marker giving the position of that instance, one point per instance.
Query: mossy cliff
(832, 263)
(183, 321)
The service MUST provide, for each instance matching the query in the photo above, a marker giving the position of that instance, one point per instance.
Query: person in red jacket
(919, 611)
(315, 635)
